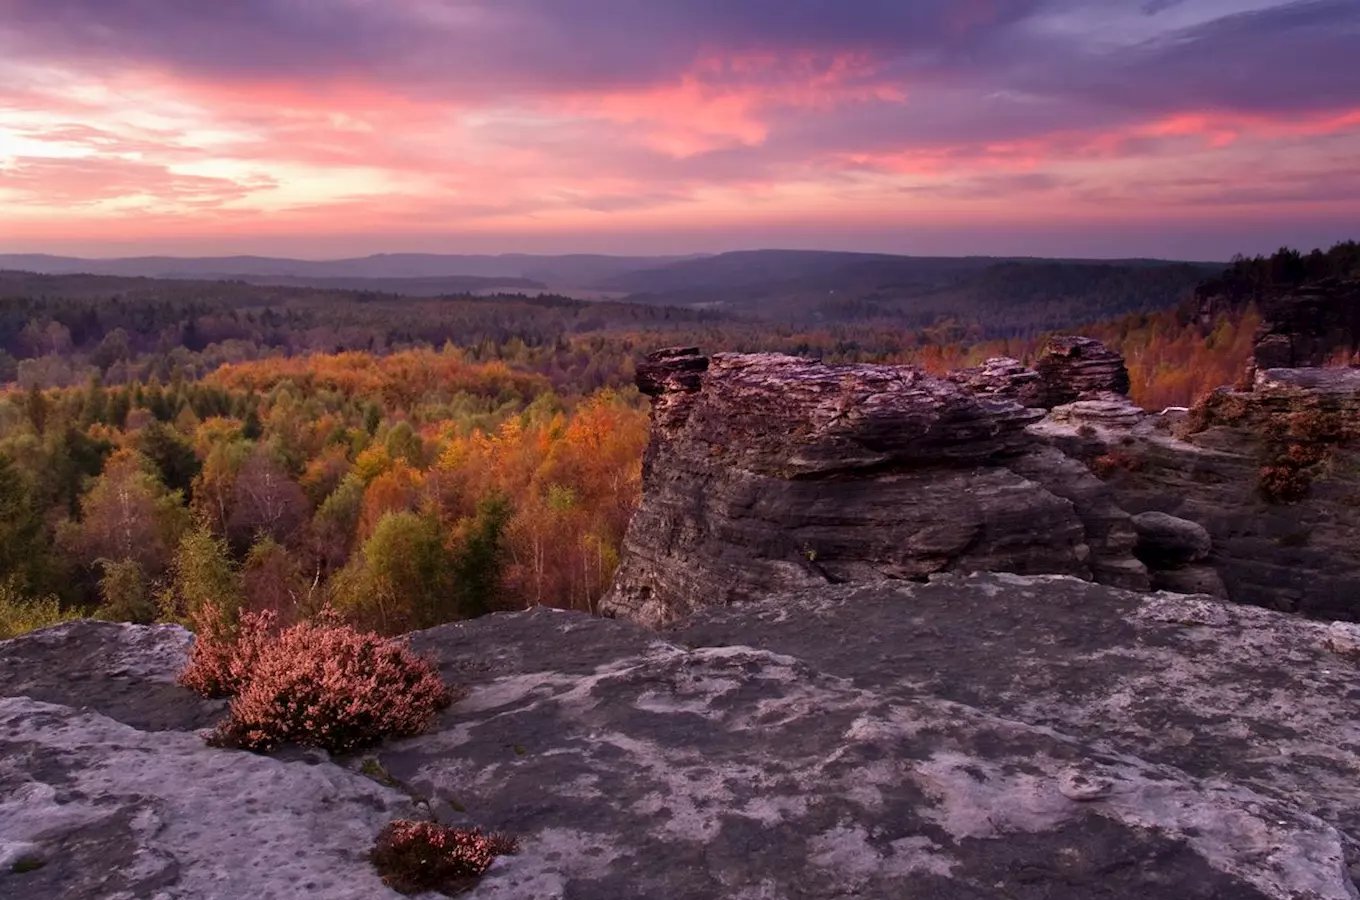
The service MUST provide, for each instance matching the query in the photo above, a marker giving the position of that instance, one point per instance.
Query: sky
(322, 128)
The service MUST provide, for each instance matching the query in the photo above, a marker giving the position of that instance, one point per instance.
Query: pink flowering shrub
(318, 683)
(413, 857)
(223, 657)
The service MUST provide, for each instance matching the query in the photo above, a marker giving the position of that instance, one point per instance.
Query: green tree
(402, 578)
(174, 458)
(402, 442)
(203, 576)
(124, 593)
(480, 558)
(24, 551)
(336, 521)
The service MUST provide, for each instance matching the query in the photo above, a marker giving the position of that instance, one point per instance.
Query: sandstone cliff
(770, 472)
(766, 473)
(988, 737)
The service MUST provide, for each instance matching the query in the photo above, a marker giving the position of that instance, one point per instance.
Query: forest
(411, 461)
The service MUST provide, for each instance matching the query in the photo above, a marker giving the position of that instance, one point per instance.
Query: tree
(215, 486)
(402, 578)
(24, 557)
(265, 501)
(129, 514)
(173, 456)
(479, 558)
(336, 523)
(203, 577)
(36, 407)
(124, 593)
(403, 443)
(273, 580)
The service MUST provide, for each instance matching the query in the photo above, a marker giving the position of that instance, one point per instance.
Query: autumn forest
(411, 461)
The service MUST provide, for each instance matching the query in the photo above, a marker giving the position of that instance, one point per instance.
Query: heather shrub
(413, 857)
(318, 683)
(225, 653)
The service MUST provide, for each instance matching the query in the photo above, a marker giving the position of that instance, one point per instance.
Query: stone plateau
(981, 736)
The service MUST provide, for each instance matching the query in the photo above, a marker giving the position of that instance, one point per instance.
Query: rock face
(1079, 368)
(977, 737)
(769, 472)
(104, 782)
(1311, 326)
(1271, 474)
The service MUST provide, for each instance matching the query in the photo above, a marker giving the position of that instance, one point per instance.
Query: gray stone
(1191, 579)
(1079, 368)
(1168, 542)
(768, 472)
(1212, 466)
(983, 736)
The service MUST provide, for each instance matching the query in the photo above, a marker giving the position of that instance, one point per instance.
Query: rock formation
(767, 473)
(1271, 474)
(1079, 368)
(770, 472)
(984, 736)
(1310, 326)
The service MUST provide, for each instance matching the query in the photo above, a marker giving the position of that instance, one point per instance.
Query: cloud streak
(569, 117)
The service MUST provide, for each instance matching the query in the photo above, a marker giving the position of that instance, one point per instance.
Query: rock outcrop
(1272, 475)
(1079, 368)
(987, 736)
(1311, 326)
(1070, 368)
(769, 472)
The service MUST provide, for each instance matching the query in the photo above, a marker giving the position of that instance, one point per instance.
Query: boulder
(981, 736)
(1166, 542)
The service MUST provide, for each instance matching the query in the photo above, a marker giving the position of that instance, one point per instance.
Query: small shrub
(1284, 482)
(320, 684)
(413, 857)
(225, 654)
(1114, 461)
(20, 614)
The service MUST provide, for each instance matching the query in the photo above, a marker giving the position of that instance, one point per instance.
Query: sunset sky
(1179, 128)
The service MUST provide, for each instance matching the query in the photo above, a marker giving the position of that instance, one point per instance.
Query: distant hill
(570, 271)
(1003, 296)
(798, 288)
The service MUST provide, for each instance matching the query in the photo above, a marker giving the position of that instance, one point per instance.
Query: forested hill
(62, 328)
(1007, 297)
(413, 460)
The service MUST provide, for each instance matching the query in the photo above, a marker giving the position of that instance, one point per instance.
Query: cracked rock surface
(982, 736)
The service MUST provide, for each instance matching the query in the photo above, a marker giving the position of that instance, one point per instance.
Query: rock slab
(982, 736)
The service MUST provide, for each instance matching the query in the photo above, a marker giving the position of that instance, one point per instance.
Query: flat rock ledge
(982, 736)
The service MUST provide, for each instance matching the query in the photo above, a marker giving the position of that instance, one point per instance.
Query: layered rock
(1070, 368)
(1271, 473)
(978, 737)
(1079, 368)
(769, 472)
(1311, 326)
